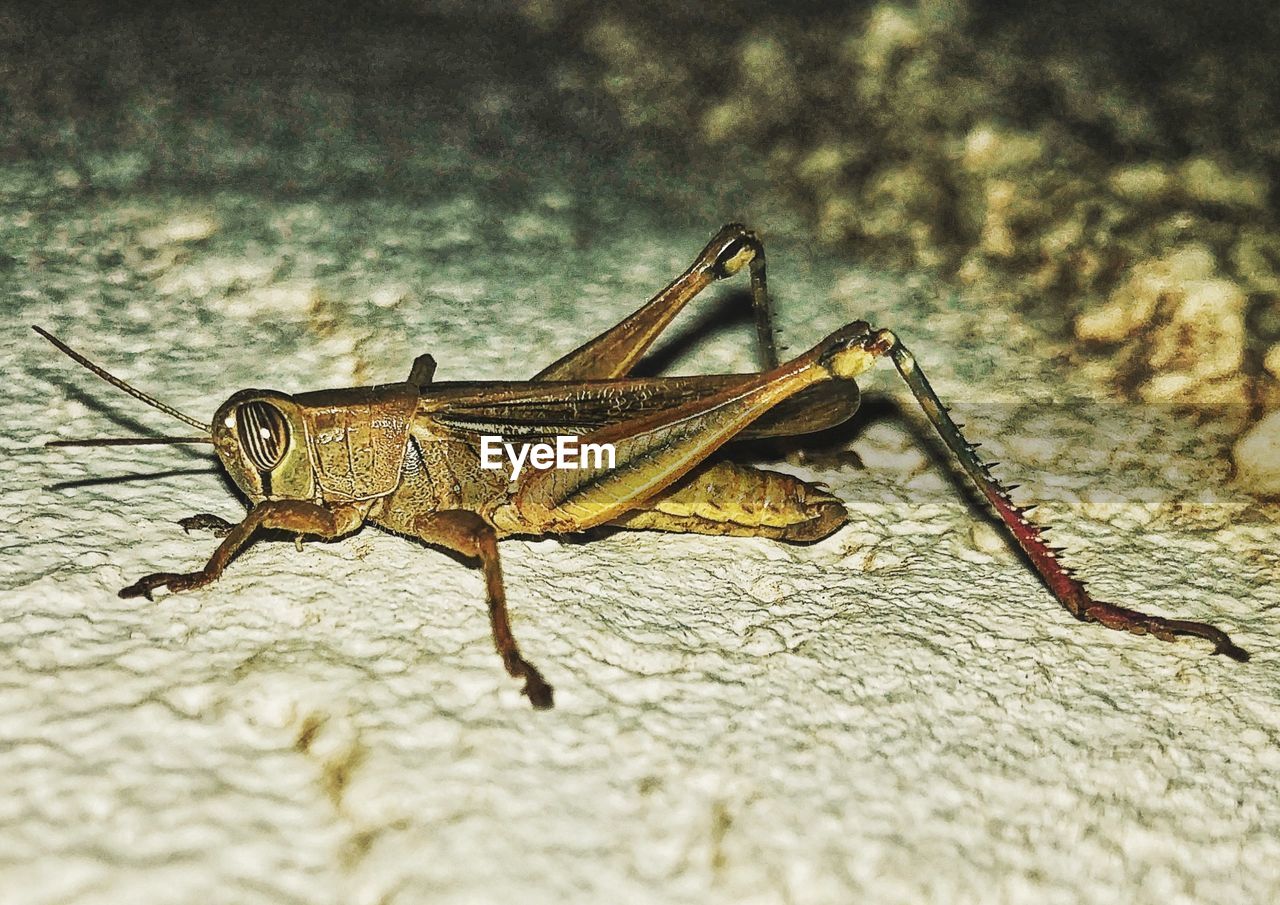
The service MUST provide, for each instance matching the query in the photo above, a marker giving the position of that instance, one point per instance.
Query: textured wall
(899, 713)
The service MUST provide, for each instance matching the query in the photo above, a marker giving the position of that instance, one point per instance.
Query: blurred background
(1110, 171)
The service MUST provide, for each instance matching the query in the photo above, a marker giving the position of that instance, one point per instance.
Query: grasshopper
(406, 456)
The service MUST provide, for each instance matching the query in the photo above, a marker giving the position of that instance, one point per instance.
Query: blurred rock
(1257, 457)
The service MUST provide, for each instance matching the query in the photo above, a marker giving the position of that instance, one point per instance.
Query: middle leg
(468, 534)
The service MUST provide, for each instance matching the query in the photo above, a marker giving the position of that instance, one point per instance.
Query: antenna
(121, 385)
(129, 441)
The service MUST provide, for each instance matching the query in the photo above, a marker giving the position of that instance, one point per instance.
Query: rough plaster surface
(899, 713)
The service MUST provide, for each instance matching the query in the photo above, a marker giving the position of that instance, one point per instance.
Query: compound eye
(264, 434)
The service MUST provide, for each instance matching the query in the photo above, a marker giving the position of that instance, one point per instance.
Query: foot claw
(173, 581)
(1123, 619)
(205, 521)
(1222, 643)
(540, 694)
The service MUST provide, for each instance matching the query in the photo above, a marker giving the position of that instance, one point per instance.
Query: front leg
(297, 516)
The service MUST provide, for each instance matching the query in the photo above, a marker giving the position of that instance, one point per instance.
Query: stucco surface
(899, 713)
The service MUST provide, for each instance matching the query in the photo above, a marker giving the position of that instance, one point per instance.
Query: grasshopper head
(260, 438)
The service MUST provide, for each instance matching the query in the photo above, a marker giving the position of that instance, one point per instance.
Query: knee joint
(853, 349)
(739, 248)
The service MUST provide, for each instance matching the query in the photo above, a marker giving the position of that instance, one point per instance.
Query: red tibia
(1069, 591)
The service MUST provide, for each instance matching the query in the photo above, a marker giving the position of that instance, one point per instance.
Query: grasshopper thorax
(260, 437)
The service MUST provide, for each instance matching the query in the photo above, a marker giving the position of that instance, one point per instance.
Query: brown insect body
(399, 453)
(407, 456)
